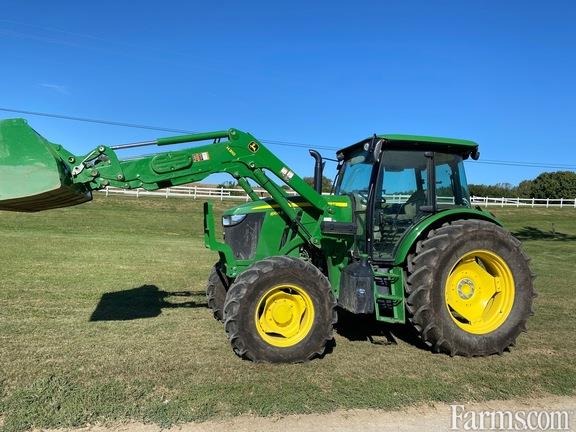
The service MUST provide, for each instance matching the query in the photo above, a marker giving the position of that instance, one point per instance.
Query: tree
(524, 189)
(326, 183)
(559, 184)
(495, 191)
(228, 184)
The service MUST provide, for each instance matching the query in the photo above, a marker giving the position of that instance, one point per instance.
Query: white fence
(222, 194)
(193, 192)
(524, 202)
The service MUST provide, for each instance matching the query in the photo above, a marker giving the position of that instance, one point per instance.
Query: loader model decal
(199, 157)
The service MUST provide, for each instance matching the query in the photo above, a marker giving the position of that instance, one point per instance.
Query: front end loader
(397, 239)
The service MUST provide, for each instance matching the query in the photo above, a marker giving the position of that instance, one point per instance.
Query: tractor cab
(395, 181)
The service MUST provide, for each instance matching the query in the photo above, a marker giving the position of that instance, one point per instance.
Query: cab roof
(450, 145)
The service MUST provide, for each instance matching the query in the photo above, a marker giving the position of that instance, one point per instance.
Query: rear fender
(420, 230)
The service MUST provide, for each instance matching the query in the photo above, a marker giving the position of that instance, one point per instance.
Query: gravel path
(434, 418)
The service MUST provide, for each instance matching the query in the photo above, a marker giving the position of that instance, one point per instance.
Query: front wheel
(216, 289)
(280, 310)
(469, 289)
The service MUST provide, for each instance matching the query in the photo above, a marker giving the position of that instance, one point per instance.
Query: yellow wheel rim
(284, 315)
(480, 292)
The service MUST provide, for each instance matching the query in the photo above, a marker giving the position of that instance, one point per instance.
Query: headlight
(233, 219)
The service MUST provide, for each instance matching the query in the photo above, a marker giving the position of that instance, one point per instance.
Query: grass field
(103, 318)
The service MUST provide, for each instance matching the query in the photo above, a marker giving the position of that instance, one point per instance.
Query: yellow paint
(479, 292)
(338, 204)
(284, 315)
(294, 205)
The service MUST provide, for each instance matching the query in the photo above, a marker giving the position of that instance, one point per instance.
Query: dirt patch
(430, 418)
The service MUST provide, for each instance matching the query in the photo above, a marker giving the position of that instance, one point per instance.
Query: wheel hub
(479, 292)
(281, 311)
(465, 288)
(284, 315)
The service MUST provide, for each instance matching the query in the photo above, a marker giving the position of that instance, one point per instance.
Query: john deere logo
(253, 147)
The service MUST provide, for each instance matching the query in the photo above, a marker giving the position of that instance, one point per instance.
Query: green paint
(33, 175)
(410, 139)
(395, 299)
(419, 141)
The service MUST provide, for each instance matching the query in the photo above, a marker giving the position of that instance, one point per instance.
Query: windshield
(355, 174)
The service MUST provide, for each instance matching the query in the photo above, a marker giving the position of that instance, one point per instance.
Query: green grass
(103, 318)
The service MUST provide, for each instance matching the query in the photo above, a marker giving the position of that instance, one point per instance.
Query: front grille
(243, 237)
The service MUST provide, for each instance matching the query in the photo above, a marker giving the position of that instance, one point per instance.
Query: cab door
(400, 199)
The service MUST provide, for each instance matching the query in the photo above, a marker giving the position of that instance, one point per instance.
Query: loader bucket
(33, 176)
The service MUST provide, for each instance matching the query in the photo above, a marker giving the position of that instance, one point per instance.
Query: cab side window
(402, 194)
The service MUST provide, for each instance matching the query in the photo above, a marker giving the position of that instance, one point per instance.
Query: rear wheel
(216, 289)
(280, 310)
(469, 289)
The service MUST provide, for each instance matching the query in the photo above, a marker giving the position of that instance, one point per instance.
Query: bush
(497, 190)
(560, 184)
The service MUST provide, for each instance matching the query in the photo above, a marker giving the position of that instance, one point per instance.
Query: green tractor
(398, 239)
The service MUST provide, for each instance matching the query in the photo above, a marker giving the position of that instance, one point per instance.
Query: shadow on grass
(532, 233)
(366, 328)
(146, 301)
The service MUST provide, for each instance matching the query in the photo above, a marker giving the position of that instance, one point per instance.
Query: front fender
(210, 241)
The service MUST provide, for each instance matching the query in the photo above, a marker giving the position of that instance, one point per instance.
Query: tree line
(558, 184)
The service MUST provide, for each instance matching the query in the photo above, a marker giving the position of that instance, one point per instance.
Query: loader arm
(234, 152)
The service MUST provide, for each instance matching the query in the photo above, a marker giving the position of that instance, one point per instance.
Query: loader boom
(234, 152)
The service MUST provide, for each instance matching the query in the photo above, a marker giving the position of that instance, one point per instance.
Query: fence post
(502, 202)
(574, 202)
(222, 194)
(195, 191)
(167, 192)
(107, 195)
(518, 202)
(486, 201)
(561, 202)
(547, 202)
(532, 202)
(137, 193)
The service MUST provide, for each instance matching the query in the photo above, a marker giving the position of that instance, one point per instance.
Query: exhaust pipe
(318, 170)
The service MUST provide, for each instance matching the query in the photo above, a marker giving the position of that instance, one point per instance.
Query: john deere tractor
(398, 239)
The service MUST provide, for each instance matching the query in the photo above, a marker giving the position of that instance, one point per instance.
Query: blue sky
(320, 73)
